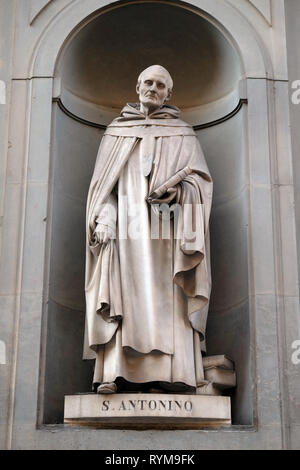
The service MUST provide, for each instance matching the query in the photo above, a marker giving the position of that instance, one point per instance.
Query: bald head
(154, 88)
(157, 70)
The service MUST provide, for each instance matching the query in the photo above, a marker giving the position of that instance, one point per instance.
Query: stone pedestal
(147, 411)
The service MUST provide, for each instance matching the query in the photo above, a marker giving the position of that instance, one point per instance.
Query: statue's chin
(151, 105)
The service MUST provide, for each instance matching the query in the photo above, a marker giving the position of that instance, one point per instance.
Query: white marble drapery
(147, 299)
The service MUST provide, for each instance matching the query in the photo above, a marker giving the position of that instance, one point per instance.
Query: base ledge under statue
(145, 411)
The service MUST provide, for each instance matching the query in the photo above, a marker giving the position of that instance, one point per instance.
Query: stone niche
(95, 75)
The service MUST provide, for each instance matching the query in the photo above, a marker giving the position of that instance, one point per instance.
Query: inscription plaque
(139, 410)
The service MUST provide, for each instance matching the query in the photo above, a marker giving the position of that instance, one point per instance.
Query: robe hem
(140, 382)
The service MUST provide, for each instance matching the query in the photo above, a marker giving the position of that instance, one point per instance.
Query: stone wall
(37, 314)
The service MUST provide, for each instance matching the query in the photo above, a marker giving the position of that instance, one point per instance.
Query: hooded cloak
(129, 302)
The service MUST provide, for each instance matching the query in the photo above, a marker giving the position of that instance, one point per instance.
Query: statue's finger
(105, 238)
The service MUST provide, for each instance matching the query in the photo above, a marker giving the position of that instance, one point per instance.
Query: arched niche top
(262, 6)
(102, 63)
(255, 61)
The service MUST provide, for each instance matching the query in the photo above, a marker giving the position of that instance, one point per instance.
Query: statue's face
(153, 89)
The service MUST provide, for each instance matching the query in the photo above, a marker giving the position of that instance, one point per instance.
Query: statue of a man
(147, 294)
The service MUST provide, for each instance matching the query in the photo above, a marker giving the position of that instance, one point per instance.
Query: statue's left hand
(103, 233)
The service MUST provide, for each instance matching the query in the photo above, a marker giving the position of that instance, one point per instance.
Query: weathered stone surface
(222, 378)
(209, 389)
(220, 360)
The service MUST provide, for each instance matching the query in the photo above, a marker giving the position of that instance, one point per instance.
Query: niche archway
(95, 74)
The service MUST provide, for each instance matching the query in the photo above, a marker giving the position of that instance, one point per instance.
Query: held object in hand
(170, 183)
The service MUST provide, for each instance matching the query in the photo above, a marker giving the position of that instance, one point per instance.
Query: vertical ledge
(33, 251)
(7, 26)
(265, 257)
(292, 318)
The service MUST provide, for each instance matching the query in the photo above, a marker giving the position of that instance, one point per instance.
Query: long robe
(147, 299)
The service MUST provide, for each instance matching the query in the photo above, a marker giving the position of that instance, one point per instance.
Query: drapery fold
(175, 147)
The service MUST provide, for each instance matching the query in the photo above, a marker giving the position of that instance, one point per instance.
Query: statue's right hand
(103, 233)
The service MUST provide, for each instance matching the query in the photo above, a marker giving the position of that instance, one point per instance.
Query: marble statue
(147, 291)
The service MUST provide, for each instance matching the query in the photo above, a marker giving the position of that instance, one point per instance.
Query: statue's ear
(138, 88)
(169, 95)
